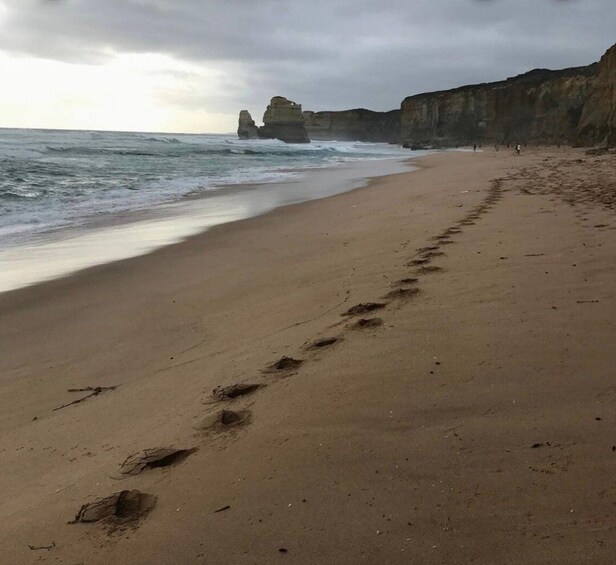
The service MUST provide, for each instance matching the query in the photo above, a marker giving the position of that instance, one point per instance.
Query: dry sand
(475, 424)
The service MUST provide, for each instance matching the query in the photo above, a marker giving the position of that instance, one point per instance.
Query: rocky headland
(284, 120)
(575, 106)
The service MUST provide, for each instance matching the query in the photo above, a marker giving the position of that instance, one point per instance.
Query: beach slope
(435, 360)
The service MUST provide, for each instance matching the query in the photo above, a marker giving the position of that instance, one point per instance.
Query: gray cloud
(326, 54)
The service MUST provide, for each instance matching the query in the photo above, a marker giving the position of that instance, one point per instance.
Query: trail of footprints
(126, 507)
(557, 176)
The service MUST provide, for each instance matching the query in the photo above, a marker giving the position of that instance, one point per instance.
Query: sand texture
(420, 371)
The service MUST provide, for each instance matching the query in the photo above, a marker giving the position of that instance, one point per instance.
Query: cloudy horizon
(191, 66)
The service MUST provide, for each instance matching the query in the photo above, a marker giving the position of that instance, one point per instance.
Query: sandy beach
(467, 418)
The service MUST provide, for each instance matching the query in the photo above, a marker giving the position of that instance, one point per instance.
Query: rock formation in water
(574, 106)
(284, 120)
(598, 122)
(353, 125)
(541, 106)
(246, 128)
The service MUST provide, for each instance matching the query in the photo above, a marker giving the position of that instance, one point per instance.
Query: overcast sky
(191, 65)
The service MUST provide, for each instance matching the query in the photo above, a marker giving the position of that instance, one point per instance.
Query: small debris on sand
(94, 391)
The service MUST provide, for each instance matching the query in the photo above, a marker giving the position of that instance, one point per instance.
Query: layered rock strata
(574, 106)
(598, 121)
(353, 125)
(284, 120)
(541, 106)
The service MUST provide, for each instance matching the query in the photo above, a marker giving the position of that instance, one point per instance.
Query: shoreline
(473, 422)
(126, 235)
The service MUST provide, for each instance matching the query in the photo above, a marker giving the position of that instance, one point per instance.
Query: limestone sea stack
(598, 121)
(246, 129)
(284, 120)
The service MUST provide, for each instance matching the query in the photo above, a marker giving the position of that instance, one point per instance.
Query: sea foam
(52, 180)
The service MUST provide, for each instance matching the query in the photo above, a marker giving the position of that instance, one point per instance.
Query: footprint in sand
(366, 323)
(364, 308)
(235, 391)
(430, 269)
(322, 343)
(116, 509)
(405, 282)
(432, 254)
(401, 293)
(153, 458)
(452, 231)
(224, 420)
(284, 364)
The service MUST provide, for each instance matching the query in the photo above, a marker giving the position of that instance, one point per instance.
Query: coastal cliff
(541, 106)
(353, 125)
(598, 121)
(575, 106)
(284, 120)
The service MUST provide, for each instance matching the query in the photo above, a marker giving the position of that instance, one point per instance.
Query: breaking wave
(50, 179)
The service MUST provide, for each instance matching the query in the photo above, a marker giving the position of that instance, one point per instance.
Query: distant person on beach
(475, 147)
(518, 149)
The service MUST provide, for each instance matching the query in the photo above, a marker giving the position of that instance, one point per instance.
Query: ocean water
(70, 200)
(56, 179)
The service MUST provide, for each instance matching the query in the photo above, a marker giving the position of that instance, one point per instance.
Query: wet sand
(465, 416)
(109, 238)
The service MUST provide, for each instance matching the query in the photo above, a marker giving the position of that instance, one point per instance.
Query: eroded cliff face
(246, 128)
(541, 106)
(353, 125)
(574, 106)
(284, 120)
(598, 122)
